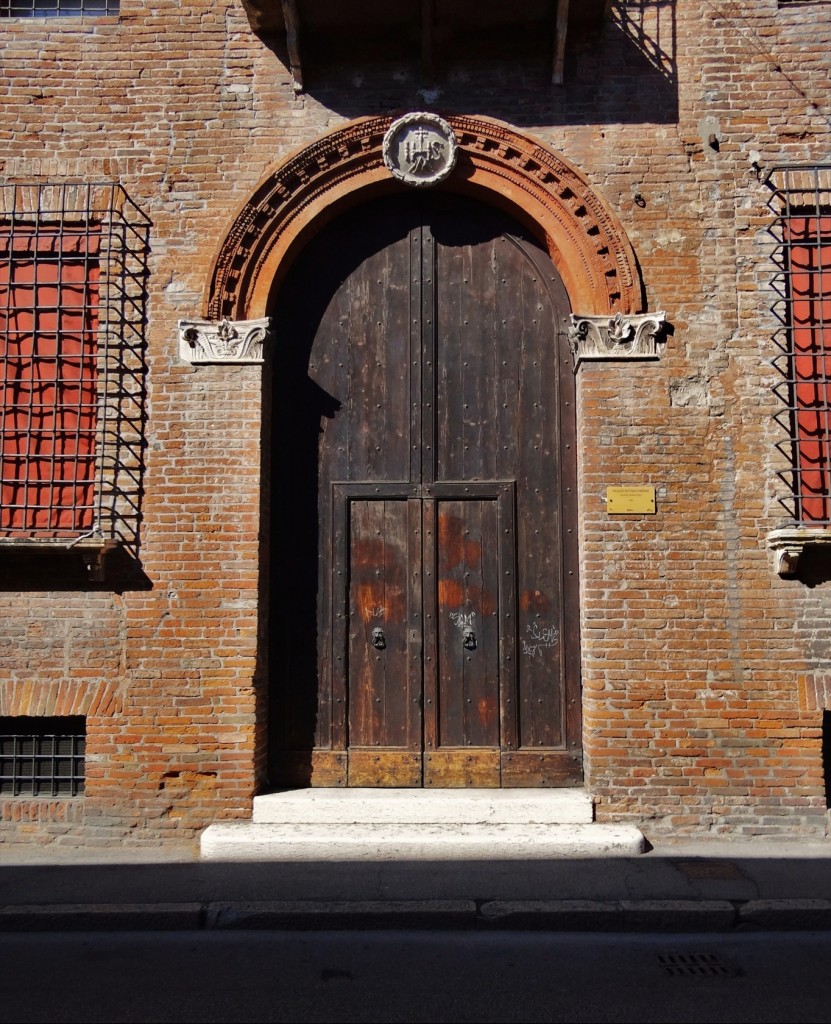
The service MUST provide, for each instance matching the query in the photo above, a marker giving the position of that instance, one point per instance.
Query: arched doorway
(424, 606)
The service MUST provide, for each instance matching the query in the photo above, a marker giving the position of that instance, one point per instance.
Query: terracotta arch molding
(495, 163)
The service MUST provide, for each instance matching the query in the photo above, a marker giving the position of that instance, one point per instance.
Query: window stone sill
(788, 543)
(93, 550)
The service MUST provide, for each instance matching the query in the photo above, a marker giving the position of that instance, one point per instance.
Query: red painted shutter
(49, 288)
(809, 243)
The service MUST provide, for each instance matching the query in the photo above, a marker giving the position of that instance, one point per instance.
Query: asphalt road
(415, 976)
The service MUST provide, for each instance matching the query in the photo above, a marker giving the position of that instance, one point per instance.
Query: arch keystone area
(495, 163)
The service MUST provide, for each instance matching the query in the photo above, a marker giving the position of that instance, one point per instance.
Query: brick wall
(695, 653)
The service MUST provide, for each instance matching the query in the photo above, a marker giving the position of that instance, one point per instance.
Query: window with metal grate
(49, 319)
(73, 265)
(808, 240)
(42, 757)
(55, 8)
(802, 201)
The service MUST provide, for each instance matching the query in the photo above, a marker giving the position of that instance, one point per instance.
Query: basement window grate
(695, 965)
(56, 8)
(802, 204)
(42, 757)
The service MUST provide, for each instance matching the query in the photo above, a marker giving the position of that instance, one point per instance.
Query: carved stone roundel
(420, 149)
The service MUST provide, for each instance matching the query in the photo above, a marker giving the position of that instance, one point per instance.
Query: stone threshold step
(234, 841)
(424, 806)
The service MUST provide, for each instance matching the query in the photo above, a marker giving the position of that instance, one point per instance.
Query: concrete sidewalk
(701, 885)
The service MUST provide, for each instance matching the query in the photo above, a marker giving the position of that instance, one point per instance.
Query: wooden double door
(423, 618)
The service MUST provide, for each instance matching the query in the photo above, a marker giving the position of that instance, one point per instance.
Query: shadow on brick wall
(65, 569)
(623, 72)
(814, 567)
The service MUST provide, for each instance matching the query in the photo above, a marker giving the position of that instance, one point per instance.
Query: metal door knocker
(469, 640)
(379, 641)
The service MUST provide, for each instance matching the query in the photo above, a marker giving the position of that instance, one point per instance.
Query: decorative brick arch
(495, 162)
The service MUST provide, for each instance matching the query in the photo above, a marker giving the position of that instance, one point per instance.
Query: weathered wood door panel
(467, 624)
(469, 615)
(422, 369)
(383, 641)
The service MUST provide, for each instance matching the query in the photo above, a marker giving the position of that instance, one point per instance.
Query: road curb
(450, 915)
(786, 915)
(363, 914)
(617, 915)
(100, 917)
(555, 915)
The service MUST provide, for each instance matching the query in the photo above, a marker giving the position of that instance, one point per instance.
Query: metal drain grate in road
(695, 965)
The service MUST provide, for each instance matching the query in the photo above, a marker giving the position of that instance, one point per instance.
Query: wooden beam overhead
(291, 16)
(560, 33)
(264, 16)
(318, 31)
(428, 20)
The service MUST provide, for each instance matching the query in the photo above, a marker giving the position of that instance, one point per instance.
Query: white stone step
(424, 807)
(240, 841)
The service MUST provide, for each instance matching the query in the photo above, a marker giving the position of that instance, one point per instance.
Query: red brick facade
(704, 673)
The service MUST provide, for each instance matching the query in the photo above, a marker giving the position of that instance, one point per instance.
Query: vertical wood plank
(508, 650)
(415, 626)
(468, 609)
(538, 494)
(416, 356)
(338, 649)
(378, 629)
(428, 363)
(430, 664)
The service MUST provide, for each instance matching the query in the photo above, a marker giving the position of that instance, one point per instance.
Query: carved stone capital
(226, 341)
(618, 336)
(788, 543)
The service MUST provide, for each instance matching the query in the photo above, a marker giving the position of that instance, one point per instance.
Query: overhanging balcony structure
(321, 31)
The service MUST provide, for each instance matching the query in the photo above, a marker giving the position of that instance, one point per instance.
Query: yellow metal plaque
(620, 500)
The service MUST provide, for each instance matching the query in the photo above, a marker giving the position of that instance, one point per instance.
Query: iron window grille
(56, 8)
(42, 757)
(73, 264)
(801, 202)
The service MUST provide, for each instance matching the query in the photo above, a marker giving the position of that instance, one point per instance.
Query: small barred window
(42, 757)
(55, 8)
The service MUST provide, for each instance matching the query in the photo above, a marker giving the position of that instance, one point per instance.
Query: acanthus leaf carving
(226, 341)
(622, 336)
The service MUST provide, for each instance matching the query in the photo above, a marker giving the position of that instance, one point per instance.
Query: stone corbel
(229, 341)
(788, 543)
(622, 336)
